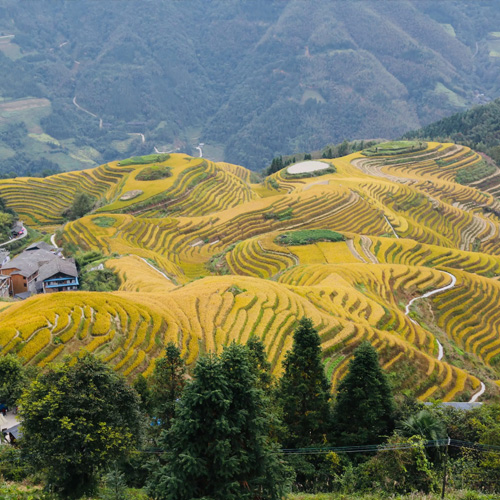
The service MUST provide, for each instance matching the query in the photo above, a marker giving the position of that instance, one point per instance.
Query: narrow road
(83, 109)
(199, 149)
(157, 270)
(429, 294)
(479, 393)
(53, 240)
(390, 225)
(25, 233)
(143, 138)
(482, 387)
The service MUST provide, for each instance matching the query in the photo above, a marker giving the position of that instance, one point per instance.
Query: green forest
(250, 80)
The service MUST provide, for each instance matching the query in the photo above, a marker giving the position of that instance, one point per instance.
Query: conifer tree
(364, 407)
(219, 442)
(167, 383)
(304, 390)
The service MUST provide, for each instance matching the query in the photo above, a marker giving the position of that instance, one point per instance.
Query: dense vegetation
(154, 173)
(478, 129)
(232, 431)
(329, 71)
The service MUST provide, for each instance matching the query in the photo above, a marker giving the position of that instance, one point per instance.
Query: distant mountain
(248, 79)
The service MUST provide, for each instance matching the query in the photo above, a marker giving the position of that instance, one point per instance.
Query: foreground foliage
(76, 419)
(218, 445)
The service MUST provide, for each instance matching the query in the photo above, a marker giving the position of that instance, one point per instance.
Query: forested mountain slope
(248, 79)
(382, 245)
(478, 128)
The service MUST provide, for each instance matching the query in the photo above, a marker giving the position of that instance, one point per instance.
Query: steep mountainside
(248, 79)
(478, 128)
(385, 245)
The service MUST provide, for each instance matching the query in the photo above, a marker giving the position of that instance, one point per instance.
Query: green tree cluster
(219, 439)
(77, 418)
(82, 204)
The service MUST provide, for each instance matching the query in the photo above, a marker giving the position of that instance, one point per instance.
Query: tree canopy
(78, 417)
(13, 379)
(364, 407)
(219, 439)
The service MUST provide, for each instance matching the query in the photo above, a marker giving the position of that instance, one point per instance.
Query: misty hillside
(248, 79)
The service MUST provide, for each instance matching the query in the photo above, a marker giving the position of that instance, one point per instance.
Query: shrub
(154, 173)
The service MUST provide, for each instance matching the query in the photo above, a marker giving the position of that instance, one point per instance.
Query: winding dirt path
(429, 294)
(482, 387)
(25, 233)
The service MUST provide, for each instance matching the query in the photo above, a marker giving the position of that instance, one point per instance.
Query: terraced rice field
(201, 263)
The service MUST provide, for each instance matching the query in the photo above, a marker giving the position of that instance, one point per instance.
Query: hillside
(478, 128)
(249, 80)
(385, 245)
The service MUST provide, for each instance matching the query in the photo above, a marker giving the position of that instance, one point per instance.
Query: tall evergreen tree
(364, 407)
(167, 383)
(304, 390)
(260, 363)
(219, 440)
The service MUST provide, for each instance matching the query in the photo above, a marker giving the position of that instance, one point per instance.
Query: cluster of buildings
(41, 268)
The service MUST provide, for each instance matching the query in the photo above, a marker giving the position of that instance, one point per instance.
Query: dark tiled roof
(56, 266)
(459, 405)
(40, 245)
(29, 262)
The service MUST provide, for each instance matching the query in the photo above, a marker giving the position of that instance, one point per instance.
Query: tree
(13, 379)
(424, 424)
(257, 353)
(77, 417)
(219, 440)
(167, 383)
(364, 407)
(304, 391)
(82, 205)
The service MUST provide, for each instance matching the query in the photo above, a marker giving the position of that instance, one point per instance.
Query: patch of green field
(6, 152)
(11, 50)
(122, 146)
(395, 148)
(494, 46)
(31, 117)
(154, 173)
(308, 236)
(103, 221)
(475, 172)
(44, 138)
(144, 160)
(453, 98)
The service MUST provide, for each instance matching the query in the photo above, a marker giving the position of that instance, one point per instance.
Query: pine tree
(167, 383)
(219, 440)
(304, 390)
(364, 407)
